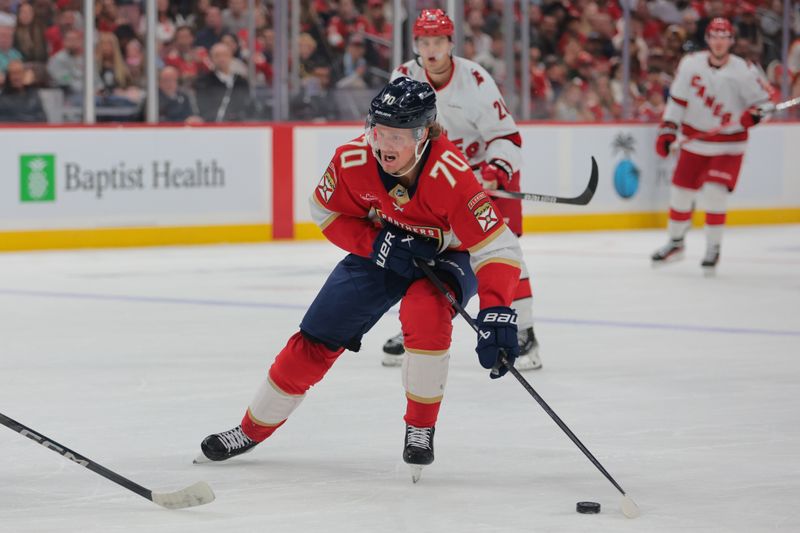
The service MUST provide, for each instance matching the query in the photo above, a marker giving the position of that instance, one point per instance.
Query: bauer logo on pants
(486, 216)
(37, 178)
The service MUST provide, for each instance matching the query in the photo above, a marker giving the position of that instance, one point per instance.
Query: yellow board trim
(124, 237)
(164, 236)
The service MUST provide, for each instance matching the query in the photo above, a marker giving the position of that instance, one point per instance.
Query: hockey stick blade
(198, 494)
(192, 496)
(584, 198)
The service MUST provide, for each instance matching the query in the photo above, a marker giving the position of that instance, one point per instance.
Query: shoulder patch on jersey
(486, 216)
(475, 199)
(402, 69)
(478, 78)
(327, 185)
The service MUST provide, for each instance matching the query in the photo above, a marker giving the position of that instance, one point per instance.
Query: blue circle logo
(626, 178)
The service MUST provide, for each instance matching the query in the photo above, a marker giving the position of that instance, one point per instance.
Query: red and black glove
(667, 134)
(753, 115)
(496, 175)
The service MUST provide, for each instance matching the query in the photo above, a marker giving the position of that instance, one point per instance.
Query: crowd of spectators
(345, 48)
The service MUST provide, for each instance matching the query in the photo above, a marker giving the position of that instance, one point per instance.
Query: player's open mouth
(388, 158)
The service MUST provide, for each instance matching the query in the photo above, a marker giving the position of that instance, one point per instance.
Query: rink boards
(69, 187)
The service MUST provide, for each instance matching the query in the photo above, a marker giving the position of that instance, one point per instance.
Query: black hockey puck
(588, 507)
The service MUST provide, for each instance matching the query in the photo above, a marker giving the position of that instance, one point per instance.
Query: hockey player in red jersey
(715, 98)
(475, 119)
(398, 194)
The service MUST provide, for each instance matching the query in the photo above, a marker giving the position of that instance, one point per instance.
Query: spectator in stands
(197, 18)
(378, 25)
(213, 31)
(314, 100)
(691, 43)
(234, 18)
(65, 20)
(190, 61)
(113, 79)
(556, 73)
(493, 60)
(347, 21)
(474, 28)
(135, 61)
(610, 108)
(747, 26)
(222, 95)
(29, 35)
(165, 23)
(106, 15)
(18, 101)
(174, 105)
(570, 105)
(7, 51)
(309, 54)
(238, 66)
(353, 66)
(674, 39)
(66, 67)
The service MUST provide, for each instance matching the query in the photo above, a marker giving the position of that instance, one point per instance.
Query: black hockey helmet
(403, 103)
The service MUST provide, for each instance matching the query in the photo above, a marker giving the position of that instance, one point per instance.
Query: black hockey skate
(222, 446)
(710, 261)
(393, 351)
(669, 253)
(528, 358)
(418, 450)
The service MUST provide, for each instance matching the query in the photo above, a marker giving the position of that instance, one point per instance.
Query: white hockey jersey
(473, 113)
(703, 98)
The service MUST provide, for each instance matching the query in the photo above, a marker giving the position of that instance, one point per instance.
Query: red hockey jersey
(446, 203)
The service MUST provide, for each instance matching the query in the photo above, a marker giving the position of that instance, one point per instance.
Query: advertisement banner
(103, 178)
(557, 161)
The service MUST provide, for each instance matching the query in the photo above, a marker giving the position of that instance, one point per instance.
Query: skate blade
(671, 259)
(392, 360)
(709, 272)
(201, 459)
(527, 362)
(416, 472)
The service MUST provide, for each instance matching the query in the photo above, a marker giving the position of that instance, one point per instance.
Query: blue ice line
(270, 305)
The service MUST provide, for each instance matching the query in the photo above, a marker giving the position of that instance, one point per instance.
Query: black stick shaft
(547, 409)
(582, 199)
(75, 457)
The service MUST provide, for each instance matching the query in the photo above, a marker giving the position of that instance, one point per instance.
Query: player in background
(477, 121)
(408, 176)
(712, 88)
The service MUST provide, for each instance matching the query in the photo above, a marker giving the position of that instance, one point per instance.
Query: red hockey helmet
(433, 23)
(720, 26)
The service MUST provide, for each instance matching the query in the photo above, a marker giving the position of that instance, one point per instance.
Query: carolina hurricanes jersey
(473, 113)
(446, 203)
(703, 98)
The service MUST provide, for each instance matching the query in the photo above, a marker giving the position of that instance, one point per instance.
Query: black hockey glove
(395, 249)
(498, 330)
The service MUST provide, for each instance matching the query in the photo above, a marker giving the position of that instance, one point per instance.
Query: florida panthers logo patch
(486, 216)
(327, 184)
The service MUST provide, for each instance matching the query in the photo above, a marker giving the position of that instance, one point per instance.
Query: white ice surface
(686, 389)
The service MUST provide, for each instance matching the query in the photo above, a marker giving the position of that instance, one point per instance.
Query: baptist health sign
(96, 178)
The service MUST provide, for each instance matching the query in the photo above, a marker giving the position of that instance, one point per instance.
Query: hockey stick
(629, 507)
(714, 131)
(198, 494)
(584, 198)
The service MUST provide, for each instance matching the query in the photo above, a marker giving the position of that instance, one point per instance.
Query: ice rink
(686, 389)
